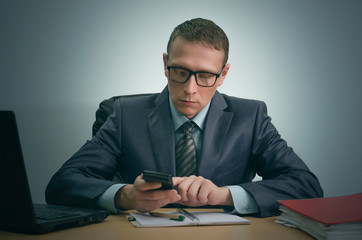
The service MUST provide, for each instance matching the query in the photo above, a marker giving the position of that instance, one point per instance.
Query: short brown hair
(204, 31)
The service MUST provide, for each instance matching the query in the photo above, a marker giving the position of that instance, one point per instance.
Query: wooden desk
(118, 227)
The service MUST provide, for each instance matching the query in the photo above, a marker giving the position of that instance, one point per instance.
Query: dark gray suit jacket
(239, 141)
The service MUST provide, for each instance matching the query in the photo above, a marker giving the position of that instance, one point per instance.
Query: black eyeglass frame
(194, 73)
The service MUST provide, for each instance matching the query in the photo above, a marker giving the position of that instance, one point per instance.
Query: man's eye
(204, 75)
(181, 72)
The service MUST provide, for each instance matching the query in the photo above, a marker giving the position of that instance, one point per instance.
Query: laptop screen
(15, 199)
(16, 205)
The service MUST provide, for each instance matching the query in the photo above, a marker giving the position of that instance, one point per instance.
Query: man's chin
(187, 111)
(189, 114)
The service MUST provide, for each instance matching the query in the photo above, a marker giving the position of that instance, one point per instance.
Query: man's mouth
(188, 101)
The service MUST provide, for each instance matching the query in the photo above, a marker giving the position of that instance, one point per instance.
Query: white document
(204, 218)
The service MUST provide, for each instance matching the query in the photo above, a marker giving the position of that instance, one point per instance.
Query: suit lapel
(215, 132)
(162, 134)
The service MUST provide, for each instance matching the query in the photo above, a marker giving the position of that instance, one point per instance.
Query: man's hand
(198, 191)
(143, 197)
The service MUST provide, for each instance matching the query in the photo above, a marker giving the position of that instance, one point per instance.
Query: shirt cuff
(244, 203)
(106, 200)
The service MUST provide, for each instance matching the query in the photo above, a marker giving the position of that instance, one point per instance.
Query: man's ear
(164, 57)
(223, 75)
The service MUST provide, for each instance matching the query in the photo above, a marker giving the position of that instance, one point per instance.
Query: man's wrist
(244, 203)
(106, 200)
(227, 200)
(121, 199)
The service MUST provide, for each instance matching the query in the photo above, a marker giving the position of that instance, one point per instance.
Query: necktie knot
(188, 127)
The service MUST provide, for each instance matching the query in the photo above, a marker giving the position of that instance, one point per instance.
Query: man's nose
(191, 85)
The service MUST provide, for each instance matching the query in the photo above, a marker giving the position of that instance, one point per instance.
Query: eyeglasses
(203, 79)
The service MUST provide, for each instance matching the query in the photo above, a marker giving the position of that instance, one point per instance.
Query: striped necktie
(186, 152)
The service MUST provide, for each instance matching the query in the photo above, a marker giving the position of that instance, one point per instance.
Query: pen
(188, 214)
(168, 215)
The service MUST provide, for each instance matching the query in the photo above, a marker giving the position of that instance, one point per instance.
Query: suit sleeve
(89, 172)
(285, 175)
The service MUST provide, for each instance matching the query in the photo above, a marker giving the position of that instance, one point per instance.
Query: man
(231, 139)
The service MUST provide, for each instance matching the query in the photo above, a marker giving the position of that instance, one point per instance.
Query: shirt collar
(179, 119)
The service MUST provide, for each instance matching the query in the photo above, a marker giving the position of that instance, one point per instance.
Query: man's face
(190, 98)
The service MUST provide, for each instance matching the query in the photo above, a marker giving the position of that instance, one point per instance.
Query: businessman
(212, 144)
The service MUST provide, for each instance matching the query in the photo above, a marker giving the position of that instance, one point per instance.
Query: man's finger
(177, 180)
(142, 185)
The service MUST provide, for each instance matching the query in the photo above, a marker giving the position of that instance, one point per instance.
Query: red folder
(329, 211)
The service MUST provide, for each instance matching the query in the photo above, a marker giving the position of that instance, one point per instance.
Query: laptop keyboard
(47, 213)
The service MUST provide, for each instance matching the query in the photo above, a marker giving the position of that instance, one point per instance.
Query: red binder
(329, 211)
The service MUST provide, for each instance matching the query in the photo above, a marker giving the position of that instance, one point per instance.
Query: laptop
(17, 211)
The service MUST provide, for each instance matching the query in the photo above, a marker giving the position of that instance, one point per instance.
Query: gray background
(59, 59)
